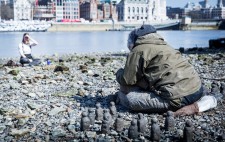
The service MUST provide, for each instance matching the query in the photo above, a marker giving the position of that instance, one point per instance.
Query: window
(142, 10)
(133, 10)
(137, 9)
(128, 9)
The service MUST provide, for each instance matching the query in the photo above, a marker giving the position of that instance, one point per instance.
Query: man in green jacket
(156, 78)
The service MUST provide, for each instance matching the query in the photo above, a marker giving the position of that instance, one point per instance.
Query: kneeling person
(156, 78)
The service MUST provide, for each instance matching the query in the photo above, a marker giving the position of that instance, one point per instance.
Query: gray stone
(22, 121)
(33, 105)
(113, 133)
(204, 126)
(33, 95)
(215, 88)
(20, 132)
(2, 128)
(90, 134)
(24, 91)
(14, 86)
(71, 128)
(58, 132)
(56, 110)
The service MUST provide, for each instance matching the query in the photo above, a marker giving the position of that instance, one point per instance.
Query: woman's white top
(26, 48)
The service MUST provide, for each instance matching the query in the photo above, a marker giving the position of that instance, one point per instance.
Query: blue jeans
(136, 99)
(26, 60)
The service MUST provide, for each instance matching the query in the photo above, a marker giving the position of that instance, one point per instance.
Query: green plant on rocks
(61, 68)
(14, 72)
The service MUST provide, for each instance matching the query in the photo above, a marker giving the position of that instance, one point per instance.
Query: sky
(182, 3)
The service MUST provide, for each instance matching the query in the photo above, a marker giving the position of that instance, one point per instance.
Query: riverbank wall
(73, 27)
(199, 26)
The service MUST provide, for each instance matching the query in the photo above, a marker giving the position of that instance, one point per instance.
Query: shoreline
(42, 104)
(192, 50)
(71, 27)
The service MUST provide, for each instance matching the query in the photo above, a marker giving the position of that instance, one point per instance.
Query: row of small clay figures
(88, 118)
(137, 127)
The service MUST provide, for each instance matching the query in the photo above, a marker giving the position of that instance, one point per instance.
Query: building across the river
(141, 10)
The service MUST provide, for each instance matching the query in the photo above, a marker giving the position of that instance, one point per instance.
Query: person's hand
(30, 60)
(28, 36)
(187, 110)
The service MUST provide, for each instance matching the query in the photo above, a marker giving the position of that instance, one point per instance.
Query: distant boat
(24, 26)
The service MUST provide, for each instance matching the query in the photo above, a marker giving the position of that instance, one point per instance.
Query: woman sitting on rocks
(156, 78)
(25, 48)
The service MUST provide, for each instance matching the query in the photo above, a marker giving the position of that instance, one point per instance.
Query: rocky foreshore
(45, 103)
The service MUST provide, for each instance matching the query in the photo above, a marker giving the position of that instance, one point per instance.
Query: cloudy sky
(182, 3)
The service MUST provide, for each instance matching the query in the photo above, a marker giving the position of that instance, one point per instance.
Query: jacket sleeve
(132, 71)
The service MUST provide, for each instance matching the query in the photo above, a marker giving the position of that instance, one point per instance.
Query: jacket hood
(152, 38)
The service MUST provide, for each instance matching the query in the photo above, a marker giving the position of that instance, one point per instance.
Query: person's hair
(24, 36)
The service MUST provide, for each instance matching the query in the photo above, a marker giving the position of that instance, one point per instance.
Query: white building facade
(219, 12)
(67, 10)
(23, 10)
(141, 10)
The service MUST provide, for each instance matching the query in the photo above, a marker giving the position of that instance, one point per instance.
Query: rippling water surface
(88, 42)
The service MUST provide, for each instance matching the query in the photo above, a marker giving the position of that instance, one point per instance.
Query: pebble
(2, 128)
(56, 110)
(54, 101)
(58, 132)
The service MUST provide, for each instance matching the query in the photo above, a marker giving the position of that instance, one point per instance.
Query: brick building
(88, 10)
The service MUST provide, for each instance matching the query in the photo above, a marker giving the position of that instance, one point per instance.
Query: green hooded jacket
(154, 65)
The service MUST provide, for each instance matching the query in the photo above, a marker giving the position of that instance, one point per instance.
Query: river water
(99, 42)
